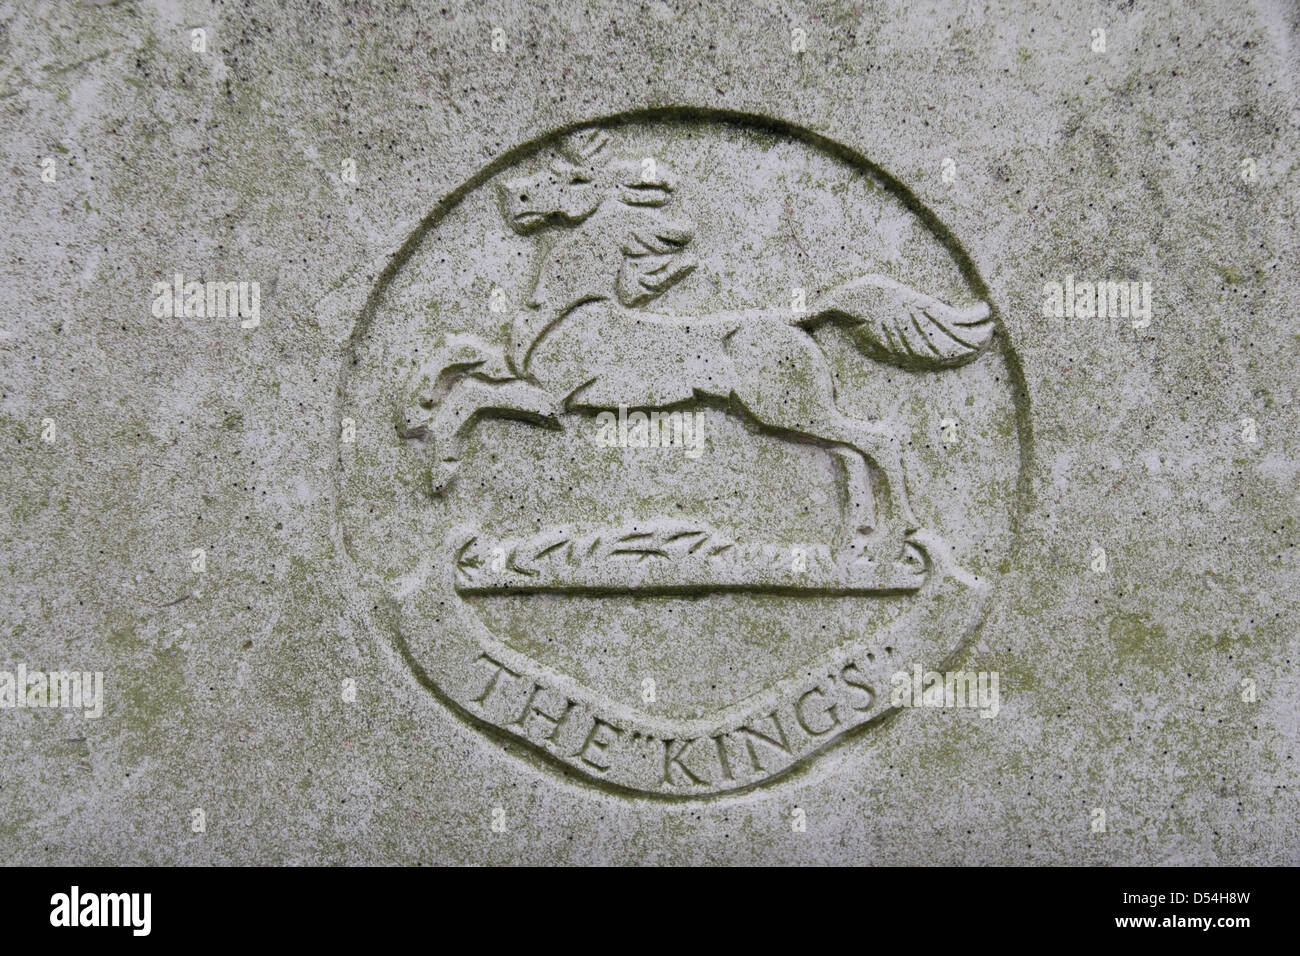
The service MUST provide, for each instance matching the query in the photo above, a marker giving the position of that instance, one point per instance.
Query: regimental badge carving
(658, 484)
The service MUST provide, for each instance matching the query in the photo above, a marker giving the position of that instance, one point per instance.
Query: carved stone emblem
(688, 431)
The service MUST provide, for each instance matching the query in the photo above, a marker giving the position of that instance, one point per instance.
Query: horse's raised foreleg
(456, 358)
(465, 402)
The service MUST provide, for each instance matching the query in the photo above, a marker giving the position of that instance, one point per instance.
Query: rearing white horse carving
(584, 344)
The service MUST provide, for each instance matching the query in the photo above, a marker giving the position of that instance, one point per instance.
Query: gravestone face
(649, 432)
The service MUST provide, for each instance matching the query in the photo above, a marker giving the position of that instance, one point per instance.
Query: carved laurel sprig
(663, 541)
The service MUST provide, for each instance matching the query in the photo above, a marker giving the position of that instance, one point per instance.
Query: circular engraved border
(812, 673)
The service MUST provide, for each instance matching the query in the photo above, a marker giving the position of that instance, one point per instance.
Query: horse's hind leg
(881, 444)
(787, 386)
(859, 502)
(861, 443)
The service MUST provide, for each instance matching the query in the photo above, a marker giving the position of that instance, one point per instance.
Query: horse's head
(578, 179)
(619, 243)
(569, 190)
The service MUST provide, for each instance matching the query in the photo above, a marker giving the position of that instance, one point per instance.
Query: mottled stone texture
(1121, 689)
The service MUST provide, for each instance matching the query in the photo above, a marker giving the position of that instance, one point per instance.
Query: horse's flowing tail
(893, 323)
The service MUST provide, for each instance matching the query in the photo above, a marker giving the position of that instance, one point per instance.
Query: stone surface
(446, 612)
